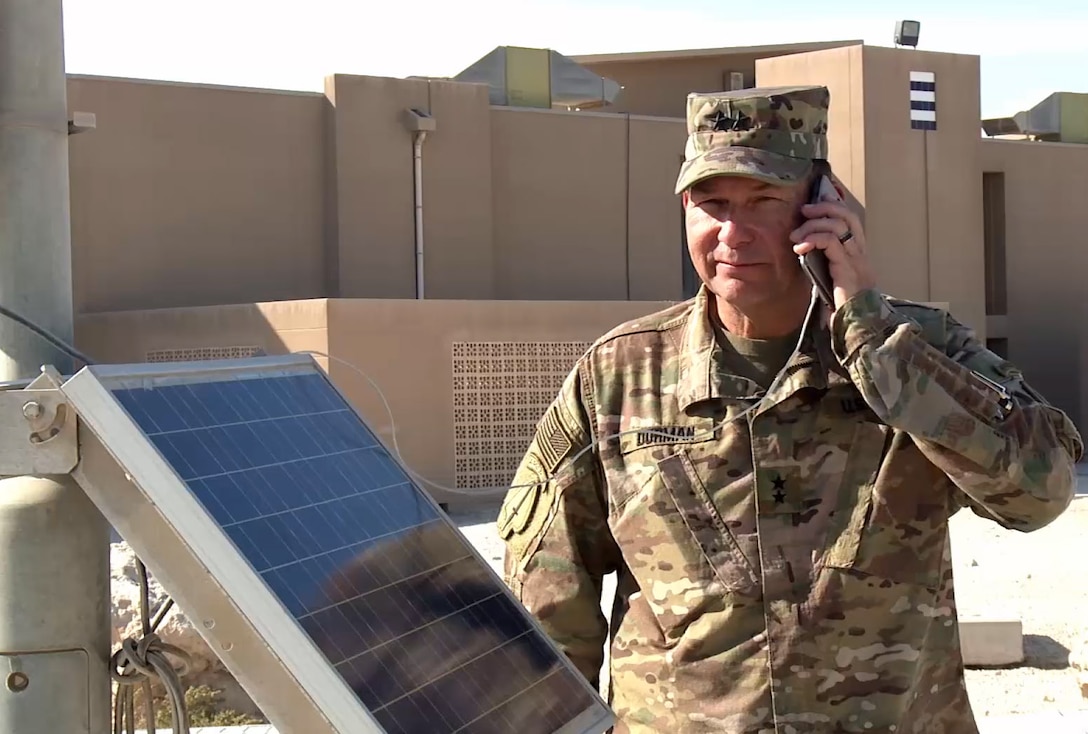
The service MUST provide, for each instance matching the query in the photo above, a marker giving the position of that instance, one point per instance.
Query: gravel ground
(999, 574)
(1026, 576)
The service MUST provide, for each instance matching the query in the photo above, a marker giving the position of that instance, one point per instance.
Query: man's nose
(732, 233)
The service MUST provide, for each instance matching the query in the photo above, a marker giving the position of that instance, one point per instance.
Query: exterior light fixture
(906, 33)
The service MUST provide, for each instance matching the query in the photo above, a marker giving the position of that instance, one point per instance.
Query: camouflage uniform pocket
(706, 529)
(896, 546)
(684, 559)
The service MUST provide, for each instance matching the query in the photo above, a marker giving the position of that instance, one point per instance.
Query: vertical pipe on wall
(417, 162)
(419, 123)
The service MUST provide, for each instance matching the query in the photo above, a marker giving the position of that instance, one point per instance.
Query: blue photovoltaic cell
(374, 574)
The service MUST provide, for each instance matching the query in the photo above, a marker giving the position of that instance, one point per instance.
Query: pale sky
(1026, 53)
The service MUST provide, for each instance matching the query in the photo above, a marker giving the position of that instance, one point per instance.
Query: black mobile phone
(815, 263)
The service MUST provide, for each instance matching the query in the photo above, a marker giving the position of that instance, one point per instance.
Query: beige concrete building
(219, 222)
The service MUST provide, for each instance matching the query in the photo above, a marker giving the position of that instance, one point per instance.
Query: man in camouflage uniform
(781, 545)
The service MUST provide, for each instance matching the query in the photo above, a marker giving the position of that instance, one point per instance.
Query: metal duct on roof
(1060, 118)
(1044, 119)
(532, 77)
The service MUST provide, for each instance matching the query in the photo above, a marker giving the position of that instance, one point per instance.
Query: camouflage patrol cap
(769, 133)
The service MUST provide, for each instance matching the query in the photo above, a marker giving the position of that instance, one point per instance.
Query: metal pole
(54, 544)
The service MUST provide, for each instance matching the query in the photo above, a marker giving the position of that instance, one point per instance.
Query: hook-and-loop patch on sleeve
(530, 504)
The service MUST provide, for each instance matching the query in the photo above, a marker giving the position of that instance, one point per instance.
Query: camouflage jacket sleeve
(554, 523)
(970, 412)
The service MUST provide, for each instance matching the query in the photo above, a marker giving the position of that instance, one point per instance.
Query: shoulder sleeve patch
(525, 500)
(528, 509)
(553, 439)
(532, 501)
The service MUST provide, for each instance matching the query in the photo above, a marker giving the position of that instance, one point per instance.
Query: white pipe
(417, 160)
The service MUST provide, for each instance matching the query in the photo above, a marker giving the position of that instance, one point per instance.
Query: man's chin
(750, 292)
(744, 287)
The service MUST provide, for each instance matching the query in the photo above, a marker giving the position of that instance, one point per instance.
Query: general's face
(738, 233)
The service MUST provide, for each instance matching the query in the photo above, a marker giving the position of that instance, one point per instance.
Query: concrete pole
(54, 544)
(54, 609)
(35, 238)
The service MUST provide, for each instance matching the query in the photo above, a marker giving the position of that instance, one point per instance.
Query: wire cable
(46, 335)
(137, 662)
(476, 492)
(814, 302)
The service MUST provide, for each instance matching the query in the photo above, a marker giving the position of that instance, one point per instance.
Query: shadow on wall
(453, 387)
(202, 333)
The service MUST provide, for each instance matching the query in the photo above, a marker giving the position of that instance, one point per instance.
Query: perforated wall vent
(202, 354)
(500, 391)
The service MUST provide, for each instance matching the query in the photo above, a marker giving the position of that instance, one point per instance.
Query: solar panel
(334, 589)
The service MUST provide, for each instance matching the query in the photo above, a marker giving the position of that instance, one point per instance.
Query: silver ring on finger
(846, 237)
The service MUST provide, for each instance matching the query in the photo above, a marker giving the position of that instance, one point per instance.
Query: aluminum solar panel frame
(306, 676)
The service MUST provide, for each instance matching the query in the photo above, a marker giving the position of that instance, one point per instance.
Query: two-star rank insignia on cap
(722, 122)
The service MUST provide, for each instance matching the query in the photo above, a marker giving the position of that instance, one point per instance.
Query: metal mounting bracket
(38, 429)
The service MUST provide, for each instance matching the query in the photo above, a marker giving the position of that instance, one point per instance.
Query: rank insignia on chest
(779, 486)
(783, 490)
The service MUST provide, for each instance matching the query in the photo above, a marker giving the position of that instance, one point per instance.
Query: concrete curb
(248, 729)
(1072, 722)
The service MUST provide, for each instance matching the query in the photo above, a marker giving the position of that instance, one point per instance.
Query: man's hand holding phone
(833, 229)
